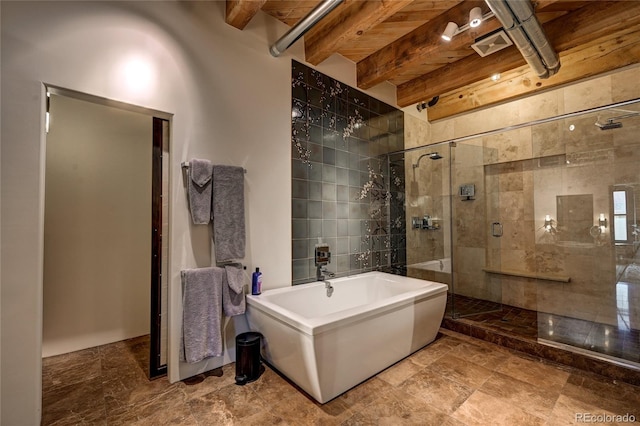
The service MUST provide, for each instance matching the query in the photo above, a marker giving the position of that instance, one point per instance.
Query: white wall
(97, 242)
(231, 104)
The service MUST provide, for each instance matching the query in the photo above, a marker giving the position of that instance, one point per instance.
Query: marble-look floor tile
(487, 357)
(456, 381)
(400, 372)
(69, 369)
(483, 409)
(437, 390)
(441, 346)
(361, 396)
(461, 371)
(399, 408)
(231, 403)
(604, 393)
(533, 372)
(530, 398)
(82, 400)
(569, 411)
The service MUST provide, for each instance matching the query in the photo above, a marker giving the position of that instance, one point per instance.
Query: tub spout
(329, 288)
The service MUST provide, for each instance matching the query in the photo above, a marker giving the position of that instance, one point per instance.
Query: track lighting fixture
(475, 19)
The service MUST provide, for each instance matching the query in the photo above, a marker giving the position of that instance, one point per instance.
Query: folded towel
(233, 301)
(228, 212)
(200, 189)
(201, 313)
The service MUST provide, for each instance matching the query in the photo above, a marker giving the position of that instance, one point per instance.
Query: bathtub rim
(318, 325)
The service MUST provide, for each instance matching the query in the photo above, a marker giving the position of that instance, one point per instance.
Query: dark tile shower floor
(612, 341)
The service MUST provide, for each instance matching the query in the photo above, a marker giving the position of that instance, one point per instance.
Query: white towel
(201, 313)
(200, 190)
(228, 212)
(233, 300)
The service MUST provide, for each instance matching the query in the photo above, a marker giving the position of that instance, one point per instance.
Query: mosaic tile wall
(346, 191)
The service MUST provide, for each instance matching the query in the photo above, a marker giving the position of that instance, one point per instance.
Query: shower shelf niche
(523, 274)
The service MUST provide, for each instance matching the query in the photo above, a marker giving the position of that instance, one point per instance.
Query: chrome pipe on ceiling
(524, 29)
(304, 25)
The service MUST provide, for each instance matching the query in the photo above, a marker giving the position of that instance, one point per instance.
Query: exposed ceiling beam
(420, 43)
(587, 60)
(240, 12)
(581, 26)
(355, 18)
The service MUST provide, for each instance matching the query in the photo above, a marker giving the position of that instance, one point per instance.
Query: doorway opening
(106, 227)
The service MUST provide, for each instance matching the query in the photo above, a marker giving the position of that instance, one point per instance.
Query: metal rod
(186, 165)
(304, 25)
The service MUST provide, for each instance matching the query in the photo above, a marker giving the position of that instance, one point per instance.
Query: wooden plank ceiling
(398, 41)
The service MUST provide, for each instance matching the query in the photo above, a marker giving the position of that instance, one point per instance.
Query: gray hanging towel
(201, 313)
(228, 212)
(200, 174)
(233, 301)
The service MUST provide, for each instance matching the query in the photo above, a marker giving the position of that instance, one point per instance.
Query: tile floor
(457, 380)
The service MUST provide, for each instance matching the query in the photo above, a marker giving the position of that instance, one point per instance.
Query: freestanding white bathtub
(327, 345)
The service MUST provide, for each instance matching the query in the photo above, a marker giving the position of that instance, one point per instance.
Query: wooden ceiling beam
(580, 26)
(355, 18)
(422, 42)
(240, 12)
(602, 55)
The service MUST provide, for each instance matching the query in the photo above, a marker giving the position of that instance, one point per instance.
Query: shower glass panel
(478, 228)
(585, 185)
(428, 213)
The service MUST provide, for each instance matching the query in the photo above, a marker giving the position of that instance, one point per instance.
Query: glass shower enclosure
(536, 228)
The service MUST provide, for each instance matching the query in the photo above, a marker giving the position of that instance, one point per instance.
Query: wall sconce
(475, 19)
(548, 224)
(602, 221)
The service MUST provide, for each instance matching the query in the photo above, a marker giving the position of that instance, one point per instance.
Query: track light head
(450, 31)
(475, 17)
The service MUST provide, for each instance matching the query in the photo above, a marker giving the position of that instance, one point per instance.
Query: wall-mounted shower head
(432, 156)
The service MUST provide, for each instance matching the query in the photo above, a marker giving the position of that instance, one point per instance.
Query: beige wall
(97, 234)
(230, 101)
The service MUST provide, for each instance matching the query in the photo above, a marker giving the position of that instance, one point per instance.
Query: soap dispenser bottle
(256, 282)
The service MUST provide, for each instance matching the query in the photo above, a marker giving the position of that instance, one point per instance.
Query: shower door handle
(496, 229)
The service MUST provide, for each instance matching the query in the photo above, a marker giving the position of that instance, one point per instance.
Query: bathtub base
(328, 364)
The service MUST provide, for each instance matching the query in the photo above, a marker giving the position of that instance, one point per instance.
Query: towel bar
(185, 165)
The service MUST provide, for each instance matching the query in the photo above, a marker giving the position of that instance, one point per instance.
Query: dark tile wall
(346, 190)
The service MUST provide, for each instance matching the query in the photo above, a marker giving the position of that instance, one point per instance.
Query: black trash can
(248, 365)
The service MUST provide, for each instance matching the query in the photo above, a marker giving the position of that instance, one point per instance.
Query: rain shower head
(610, 124)
(432, 156)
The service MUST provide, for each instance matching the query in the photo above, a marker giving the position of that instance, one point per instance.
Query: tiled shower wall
(346, 192)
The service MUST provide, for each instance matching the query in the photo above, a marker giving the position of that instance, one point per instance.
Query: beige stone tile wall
(518, 175)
